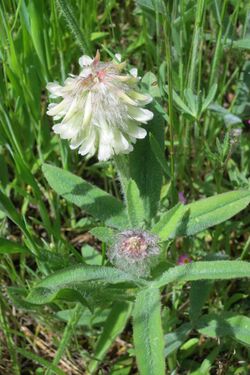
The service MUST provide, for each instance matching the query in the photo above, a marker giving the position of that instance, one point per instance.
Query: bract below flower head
(101, 109)
(134, 251)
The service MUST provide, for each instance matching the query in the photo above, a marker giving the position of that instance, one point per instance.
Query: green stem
(122, 168)
(195, 43)
(245, 249)
(167, 33)
(218, 47)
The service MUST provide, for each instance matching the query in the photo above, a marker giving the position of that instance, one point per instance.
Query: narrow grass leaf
(69, 331)
(148, 334)
(10, 247)
(214, 270)
(114, 325)
(41, 361)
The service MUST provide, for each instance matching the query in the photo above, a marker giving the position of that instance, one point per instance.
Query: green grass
(195, 50)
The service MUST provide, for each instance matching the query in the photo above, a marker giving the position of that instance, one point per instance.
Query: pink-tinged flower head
(101, 109)
(183, 259)
(133, 251)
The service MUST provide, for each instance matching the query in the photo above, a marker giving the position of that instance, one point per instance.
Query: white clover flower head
(101, 109)
(134, 251)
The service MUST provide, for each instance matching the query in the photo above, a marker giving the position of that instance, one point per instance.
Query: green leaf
(242, 43)
(210, 97)
(192, 101)
(212, 270)
(91, 256)
(10, 247)
(114, 325)
(92, 199)
(98, 35)
(152, 5)
(103, 234)
(180, 103)
(159, 155)
(149, 81)
(148, 334)
(207, 212)
(135, 207)
(78, 278)
(87, 318)
(175, 339)
(144, 167)
(8, 208)
(41, 361)
(167, 226)
(225, 324)
(199, 293)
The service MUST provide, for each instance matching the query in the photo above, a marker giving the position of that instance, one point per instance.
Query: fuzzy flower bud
(134, 251)
(101, 109)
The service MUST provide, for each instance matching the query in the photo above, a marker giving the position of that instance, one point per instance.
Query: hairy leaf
(214, 270)
(135, 207)
(207, 212)
(226, 324)
(148, 334)
(90, 198)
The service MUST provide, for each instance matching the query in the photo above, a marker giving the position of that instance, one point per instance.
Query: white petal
(85, 61)
(54, 88)
(60, 108)
(136, 131)
(105, 151)
(66, 131)
(85, 72)
(142, 98)
(118, 57)
(87, 110)
(120, 142)
(126, 98)
(88, 146)
(134, 72)
(140, 114)
(72, 111)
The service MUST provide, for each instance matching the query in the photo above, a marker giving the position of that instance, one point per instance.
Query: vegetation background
(200, 48)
